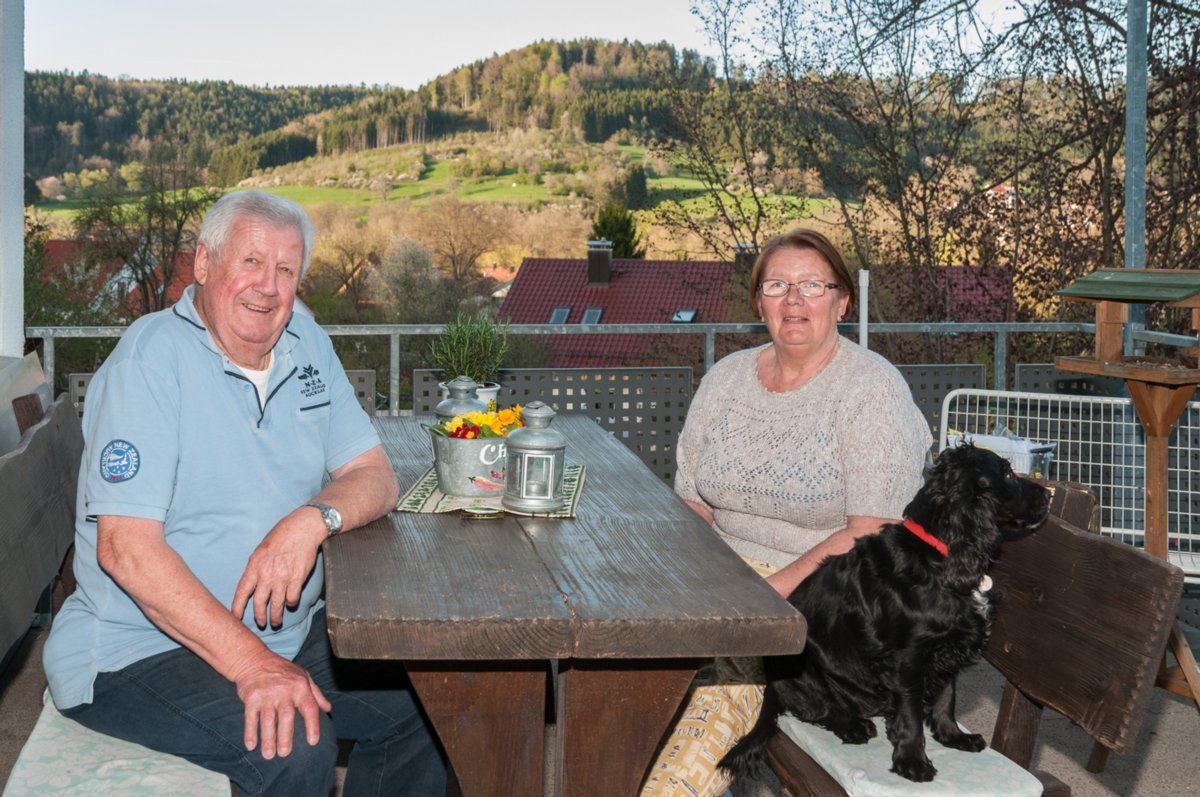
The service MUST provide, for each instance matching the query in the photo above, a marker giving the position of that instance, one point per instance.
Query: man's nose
(268, 281)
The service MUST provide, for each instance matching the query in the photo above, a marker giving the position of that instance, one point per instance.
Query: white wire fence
(1100, 444)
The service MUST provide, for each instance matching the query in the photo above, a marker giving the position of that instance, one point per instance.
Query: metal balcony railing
(1000, 332)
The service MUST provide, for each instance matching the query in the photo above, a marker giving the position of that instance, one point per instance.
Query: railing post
(864, 292)
(1000, 360)
(48, 361)
(710, 350)
(394, 374)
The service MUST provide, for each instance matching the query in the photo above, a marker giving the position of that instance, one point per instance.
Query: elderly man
(223, 445)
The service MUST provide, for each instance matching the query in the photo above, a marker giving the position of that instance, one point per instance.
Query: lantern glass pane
(538, 472)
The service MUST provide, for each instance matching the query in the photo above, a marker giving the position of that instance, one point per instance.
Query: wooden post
(1110, 330)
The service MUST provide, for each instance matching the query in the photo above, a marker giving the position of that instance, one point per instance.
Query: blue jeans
(176, 703)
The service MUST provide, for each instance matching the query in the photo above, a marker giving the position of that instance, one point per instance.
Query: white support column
(12, 178)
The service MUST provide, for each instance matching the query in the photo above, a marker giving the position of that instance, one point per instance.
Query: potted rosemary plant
(473, 346)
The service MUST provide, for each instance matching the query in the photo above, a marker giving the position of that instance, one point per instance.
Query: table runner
(425, 497)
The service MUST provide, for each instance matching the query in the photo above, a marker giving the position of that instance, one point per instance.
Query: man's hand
(273, 689)
(279, 566)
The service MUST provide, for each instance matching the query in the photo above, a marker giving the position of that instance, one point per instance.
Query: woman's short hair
(276, 211)
(802, 238)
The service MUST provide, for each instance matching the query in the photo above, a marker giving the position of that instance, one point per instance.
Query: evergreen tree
(615, 223)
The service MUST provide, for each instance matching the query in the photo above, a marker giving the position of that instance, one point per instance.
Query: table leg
(613, 714)
(491, 723)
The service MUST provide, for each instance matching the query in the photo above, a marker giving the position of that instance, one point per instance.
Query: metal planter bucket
(469, 467)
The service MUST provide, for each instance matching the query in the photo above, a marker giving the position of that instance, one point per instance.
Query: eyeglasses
(809, 289)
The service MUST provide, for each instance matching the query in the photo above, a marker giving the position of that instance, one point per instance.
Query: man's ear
(200, 264)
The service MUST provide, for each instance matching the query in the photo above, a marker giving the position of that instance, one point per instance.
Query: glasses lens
(810, 290)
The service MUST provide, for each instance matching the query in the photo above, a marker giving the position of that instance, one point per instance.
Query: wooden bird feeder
(1113, 290)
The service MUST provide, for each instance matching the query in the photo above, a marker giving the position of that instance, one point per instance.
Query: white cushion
(863, 769)
(62, 757)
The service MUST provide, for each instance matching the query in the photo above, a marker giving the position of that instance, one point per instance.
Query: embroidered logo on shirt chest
(310, 379)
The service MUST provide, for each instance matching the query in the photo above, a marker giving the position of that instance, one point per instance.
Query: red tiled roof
(60, 252)
(638, 292)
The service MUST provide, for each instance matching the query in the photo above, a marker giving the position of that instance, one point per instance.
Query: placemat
(425, 497)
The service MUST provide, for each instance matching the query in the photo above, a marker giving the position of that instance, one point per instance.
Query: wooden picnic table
(534, 641)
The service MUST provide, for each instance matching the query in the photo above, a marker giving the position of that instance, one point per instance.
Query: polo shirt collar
(185, 310)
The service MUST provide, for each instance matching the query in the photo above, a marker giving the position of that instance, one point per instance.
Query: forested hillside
(84, 121)
(77, 124)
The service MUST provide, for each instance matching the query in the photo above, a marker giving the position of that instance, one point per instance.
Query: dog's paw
(967, 742)
(854, 731)
(918, 770)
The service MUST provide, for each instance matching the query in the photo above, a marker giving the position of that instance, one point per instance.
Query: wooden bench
(37, 491)
(61, 757)
(1081, 628)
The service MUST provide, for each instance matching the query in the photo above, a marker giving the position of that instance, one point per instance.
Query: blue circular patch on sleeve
(119, 461)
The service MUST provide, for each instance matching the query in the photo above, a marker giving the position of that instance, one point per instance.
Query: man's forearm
(135, 554)
(363, 489)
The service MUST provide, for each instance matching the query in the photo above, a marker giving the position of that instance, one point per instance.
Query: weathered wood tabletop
(628, 598)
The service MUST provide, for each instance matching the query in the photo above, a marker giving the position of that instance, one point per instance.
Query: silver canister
(461, 401)
(536, 458)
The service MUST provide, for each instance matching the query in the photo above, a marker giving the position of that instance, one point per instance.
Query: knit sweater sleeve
(691, 440)
(884, 441)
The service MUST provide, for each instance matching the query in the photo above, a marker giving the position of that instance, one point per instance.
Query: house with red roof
(601, 290)
(116, 277)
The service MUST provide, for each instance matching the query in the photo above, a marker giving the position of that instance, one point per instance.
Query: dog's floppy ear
(961, 511)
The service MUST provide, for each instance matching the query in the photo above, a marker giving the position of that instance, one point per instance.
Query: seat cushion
(863, 769)
(62, 757)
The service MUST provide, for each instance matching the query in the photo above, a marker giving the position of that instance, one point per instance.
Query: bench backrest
(1081, 626)
(37, 526)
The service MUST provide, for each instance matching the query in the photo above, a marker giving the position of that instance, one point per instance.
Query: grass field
(439, 179)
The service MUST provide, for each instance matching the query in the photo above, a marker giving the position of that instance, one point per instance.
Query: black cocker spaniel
(892, 621)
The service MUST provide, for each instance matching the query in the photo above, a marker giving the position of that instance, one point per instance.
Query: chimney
(744, 256)
(599, 262)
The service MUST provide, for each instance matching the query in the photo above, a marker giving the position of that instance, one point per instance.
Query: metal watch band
(332, 517)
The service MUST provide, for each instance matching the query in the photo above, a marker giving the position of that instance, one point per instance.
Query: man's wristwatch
(332, 517)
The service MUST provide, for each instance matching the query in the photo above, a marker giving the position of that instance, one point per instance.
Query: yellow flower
(497, 423)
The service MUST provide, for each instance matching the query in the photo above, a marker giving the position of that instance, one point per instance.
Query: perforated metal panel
(930, 384)
(77, 385)
(363, 383)
(1101, 445)
(1045, 378)
(643, 407)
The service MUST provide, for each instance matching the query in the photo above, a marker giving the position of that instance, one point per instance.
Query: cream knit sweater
(782, 471)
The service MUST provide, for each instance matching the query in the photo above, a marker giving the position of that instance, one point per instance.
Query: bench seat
(61, 757)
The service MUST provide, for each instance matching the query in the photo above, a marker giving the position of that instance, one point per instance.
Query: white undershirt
(260, 379)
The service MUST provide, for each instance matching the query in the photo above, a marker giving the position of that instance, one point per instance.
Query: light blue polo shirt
(174, 432)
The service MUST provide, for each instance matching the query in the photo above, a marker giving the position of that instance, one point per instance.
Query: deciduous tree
(146, 232)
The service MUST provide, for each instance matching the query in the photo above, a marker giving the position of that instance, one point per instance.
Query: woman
(791, 450)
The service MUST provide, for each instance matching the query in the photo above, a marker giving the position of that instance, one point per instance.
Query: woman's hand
(703, 510)
(785, 580)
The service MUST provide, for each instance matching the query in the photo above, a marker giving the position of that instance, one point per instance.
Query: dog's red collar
(919, 530)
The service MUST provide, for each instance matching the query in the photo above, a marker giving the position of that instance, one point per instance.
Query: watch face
(332, 518)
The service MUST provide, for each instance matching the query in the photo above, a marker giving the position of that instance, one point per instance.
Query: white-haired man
(223, 444)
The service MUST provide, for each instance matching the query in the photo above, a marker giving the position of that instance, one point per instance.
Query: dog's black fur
(892, 621)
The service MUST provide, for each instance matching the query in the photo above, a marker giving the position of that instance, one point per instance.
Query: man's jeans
(175, 703)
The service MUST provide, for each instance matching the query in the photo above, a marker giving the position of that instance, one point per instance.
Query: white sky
(304, 42)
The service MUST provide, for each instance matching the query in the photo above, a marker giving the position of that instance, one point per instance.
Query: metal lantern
(462, 399)
(536, 456)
